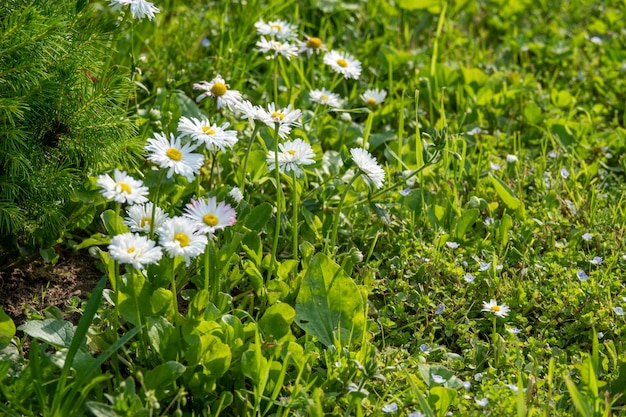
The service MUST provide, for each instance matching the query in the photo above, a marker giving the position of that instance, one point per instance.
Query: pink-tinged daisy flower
(368, 165)
(500, 310)
(209, 216)
(135, 250)
(213, 136)
(275, 48)
(179, 237)
(220, 91)
(122, 188)
(279, 29)
(139, 217)
(344, 64)
(292, 155)
(173, 155)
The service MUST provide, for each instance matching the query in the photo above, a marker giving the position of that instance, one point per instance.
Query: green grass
(468, 84)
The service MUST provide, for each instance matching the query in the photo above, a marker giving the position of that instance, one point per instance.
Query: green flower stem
(206, 267)
(213, 159)
(247, 156)
(174, 292)
(368, 128)
(278, 200)
(155, 203)
(296, 204)
(142, 332)
(333, 237)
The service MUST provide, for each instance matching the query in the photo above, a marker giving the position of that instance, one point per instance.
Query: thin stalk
(368, 128)
(278, 200)
(155, 203)
(142, 335)
(333, 237)
(247, 156)
(296, 204)
(213, 159)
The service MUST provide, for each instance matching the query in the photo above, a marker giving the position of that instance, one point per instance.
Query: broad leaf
(505, 193)
(55, 332)
(7, 329)
(329, 305)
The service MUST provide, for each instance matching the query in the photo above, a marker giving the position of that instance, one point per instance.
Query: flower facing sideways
(325, 97)
(495, 308)
(209, 216)
(213, 136)
(138, 8)
(179, 237)
(134, 249)
(122, 188)
(279, 29)
(368, 165)
(293, 154)
(312, 45)
(373, 98)
(173, 155)
(275, 48)
(220, 91)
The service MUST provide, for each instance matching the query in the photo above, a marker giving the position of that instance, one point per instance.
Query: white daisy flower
(312, 45)
(122, 188)
(249, 110)
(138, 8)
(213, 136)
(210, 216)
(493, 307)
(326, 97)
(219, 90)
(279, 29)
(343, 63)
(175, 156)
(236, 194)
(139, 217)
(134, 249)
(373, 98)
(286, 118)
(274, 48)
(179, 237)
(368, 165)
(293, 154)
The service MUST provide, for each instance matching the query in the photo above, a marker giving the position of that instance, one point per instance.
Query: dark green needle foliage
(63, 112)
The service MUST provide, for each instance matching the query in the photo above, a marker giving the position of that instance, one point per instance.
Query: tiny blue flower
(597, 260)
(469, 277)
(417, 414)
(467, 385)
(587, 236)
(452, 245)
(440, 309)
(405, 192)
(512, 387)
(619, 311)
(482, 402)
(390, 408)
(494, 166)
(564, 173)
(425, 348)
(600, 335)
(488, 221)
(514, 330)
(484, 266)
(437, 379)
(582, 275)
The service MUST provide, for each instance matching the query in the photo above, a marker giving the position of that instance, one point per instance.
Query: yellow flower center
(210, 219)
(125, 187)
(314, 43)
(495, 308)
(174, 154)
(219, 89)
(324, 97)
(208, 130)
(291, 152)
(278, 115)
(182, 239)
(131, 249)
(276, 26)
(370, 102)
(145, 221)
(342, 63)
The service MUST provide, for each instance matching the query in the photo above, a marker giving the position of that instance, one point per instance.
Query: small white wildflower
(452, 245)
(417, 414)
(600, 335)
(511, 159)
(488, 221)
(405, 191)
(513, 330)
(475, 131)
(134, 249)
(344, 64)
(368, 165)
(483, 402)
(325, 97)
(619, 311)
(275, 48)
(424, 348)
(390, 408)
(122, 188)
(512, 387)
(596, 40)
(494, 167)
(493, 307)
(587, 236)
(484, 266)
(373, 97)
(236, 194)
(597, 260)
(469, 277)
(437, 379)
(280, 29)
(467, 385)
(478, 376)
(440, 309)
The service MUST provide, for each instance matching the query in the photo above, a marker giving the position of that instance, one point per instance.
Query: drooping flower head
(213, 136)
(138, 8)
(209, 216)
(286, 118)
(171, 154)
(373, 98)
(343, 63)
(139, 217)
(500, 310)
(219, 90)
(368, 165)
(279, 29)
(326, 97)
(134, 249)
(179, 237)
(292, 156)
(122, 188)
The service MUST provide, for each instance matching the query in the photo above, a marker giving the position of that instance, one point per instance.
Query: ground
(37, 285)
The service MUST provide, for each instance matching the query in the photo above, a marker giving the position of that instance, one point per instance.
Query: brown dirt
(37, 285)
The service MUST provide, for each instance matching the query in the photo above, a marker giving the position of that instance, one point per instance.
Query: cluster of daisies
(186, 235)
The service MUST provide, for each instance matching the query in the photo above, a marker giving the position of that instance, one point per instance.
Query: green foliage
(62, 114)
